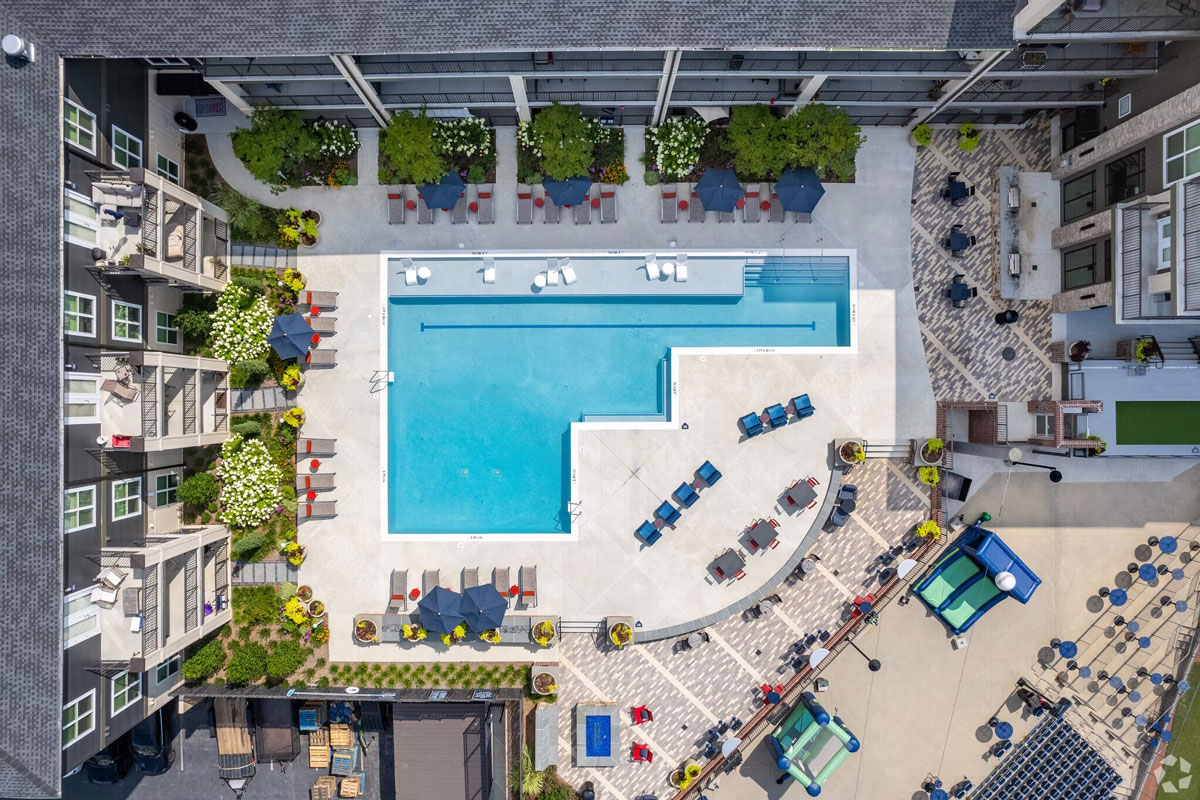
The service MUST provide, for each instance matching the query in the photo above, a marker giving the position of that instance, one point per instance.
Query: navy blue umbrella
(443, 194)
(291, 336)
(483, 607)
(570, 192)
(719, 190)
(799, 190)
(441, 610)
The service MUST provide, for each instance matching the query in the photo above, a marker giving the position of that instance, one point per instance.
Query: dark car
(111, 764)
(152, 750)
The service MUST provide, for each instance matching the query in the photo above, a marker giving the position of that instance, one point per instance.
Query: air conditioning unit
(1014, 264)
(1014, 197)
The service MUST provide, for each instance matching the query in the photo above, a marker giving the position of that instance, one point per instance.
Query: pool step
(887, 449)
(590, 626)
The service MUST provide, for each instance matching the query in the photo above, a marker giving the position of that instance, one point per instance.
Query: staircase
(900, 450)
(588, 626)
(1179, 351)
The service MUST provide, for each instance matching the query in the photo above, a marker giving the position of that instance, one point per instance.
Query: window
(168, 168)
(126, 321)
(79, 126)
(1125, 106)
(127, 498)
(1181, 154)
(126, 149)
(1079, 197)
(81, 618)
(79, 718)
(164, 489)
(79, 314)
(81, 220)
(81, 399)
(1081, 268)
(167, 670)
(1043, 425)
(1125, 177)
(1164, 243)
(164, 328)
(126, 689)
(79, 508)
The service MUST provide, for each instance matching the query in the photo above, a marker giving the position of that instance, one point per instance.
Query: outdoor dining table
(801, 494)
(959, 241)
(695, 639)
(763, 533)
(959, 292)
(729, 563)
(957, 190)
(1004, 730)
(808, 566)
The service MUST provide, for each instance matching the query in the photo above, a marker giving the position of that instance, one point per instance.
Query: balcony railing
(820, 66)
(448, 67)
(249, 68)
(1105, 65)
(1061, 26)
(591, 96)
(1191, 245)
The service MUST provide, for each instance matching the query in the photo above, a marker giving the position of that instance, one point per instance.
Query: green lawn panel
(970, 601)
(950, 579)
(1158, 422)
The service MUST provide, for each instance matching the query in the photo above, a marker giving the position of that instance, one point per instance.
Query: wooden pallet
(352, 787)
(340, 735)
(318, 748)
(325, 788)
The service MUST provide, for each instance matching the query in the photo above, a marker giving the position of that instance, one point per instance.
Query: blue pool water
(485, 389)
(599, 736)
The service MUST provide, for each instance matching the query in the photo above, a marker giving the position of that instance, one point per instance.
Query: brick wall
(1083, 298)
(1093, 226)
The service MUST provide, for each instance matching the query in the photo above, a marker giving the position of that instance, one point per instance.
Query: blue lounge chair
(709, 473)
(668, 513)
(778, 416)
(686, 495)
(848, 491)
(803, 406)
(839, 517)
(752, 425)
(648, 533)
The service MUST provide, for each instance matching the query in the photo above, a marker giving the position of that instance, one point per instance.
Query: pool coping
(673, 412)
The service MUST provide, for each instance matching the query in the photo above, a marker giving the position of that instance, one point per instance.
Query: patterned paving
(689, 690)
(963, 346)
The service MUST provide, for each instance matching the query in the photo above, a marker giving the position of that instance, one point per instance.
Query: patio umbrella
(291, 336)
(483, 607)
(441, 610)
(719, 190)
(443, 194)
(799, 190)
(570, 192)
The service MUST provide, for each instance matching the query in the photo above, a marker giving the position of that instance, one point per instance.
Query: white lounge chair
(652, 268)
(489, 269)
(410, 277)
(552, 276)
(681, 268)
(568, 272)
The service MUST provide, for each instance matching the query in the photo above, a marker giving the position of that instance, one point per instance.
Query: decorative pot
(543, 684)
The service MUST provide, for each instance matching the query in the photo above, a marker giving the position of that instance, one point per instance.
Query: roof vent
(16, 47)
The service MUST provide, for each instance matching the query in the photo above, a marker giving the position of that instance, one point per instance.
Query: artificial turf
(1186, 744)
(1158, 422)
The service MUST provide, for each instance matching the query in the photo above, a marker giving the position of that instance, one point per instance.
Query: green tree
(821, 138)
(274, 145)
(566, 140)
(249, 220)
(198, 490)
(410, 144)
(285, 657)
(248, 664)
(754, 138)
(524, 778)
(204, 662)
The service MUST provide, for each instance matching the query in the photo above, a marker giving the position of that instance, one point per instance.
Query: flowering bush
(929, 528)
(469, 136)
(241, 325)
(294, 417)
(295, 611)
(528, 139)
(250, 481)
(613, 173)
(293, 280)
(295, 553)
(677, 145)
(415, 632)
(290, 377)
(491, 636)
(455, 635)
(335, 140)
(320, 635)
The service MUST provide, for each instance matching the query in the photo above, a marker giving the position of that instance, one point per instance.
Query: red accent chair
(641, 714)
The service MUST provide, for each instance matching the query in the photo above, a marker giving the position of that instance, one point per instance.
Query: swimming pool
(485, 388)
(599, 736)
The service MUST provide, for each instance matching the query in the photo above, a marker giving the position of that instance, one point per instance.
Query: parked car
(111, 764)
(152, 750)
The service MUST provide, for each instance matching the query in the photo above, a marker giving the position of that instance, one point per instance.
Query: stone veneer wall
(1083, 230)
(1083, 298)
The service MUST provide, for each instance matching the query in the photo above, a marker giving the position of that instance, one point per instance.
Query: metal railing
(1191, 245)
(191, 591)
(248, 68)
(149, 401)
(150, 610)
(1100, 25)
(1131, 262)
(588, 96)
(1098, 64)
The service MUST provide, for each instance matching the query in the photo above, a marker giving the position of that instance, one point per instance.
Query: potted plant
(921, 136)
(929, 475)
(304, 593)
(295, 553)
(968, 137)
(1148, 350)
(455, 636)
(414, 633)
(1079, 350)
(543, 683)
(932, 451)
(311, 214)
(852, 452)
(1098, 450)
(365, 630)
(316, 608)
(929, 529)
(491, 636)
(295, 228)
(620, 634)
(543, 633)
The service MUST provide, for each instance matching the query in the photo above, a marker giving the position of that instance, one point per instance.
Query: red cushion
(473, 206)
(595, 202)
(683, 205)
(316, 338)
(539, 201)
(484, 195)
(765, 205)
(741, 202)
(312, 495)
(315, 311)
(410, 204)
(393, 196)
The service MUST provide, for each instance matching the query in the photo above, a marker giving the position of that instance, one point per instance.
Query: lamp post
(1014, 456)
(873, 664)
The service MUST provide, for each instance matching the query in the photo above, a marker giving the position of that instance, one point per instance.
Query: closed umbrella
(719, 190)
(443, 194)
(441, 610)
(799, 190)
(290, 336)
(483, 607)
(570, 192)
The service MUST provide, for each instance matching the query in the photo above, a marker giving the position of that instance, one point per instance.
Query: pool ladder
(380, 380)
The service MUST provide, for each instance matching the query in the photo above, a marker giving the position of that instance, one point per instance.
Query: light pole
(873, 664)
(1013, 459)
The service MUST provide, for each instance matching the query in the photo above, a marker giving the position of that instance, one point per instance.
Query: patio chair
(709, 473)
(322, 481)
(524, 205)
(315, 447)
(399, 598)
(429, 579)
(126, 393)
(396, 206)
(668, 203)
(686, 495)
(608, 203)
(803, 217)
(487, 209)
(776, 207)
(500, 581)
(668, 513)
(470, 577)
(320, 299)
(839, 517)
(111, 577)
(319, 510)
(681, 268)
(751, 209)
(641, 715)
(724, 216)
(527, 583)
(489, 269)
(550, 211)
(458, 214)
(777, 415)
(326, 326)
(652, 273)
(568, 272)
(321, 358)
(848, 491)
(695, 209)
(803, 407)
(648, 533)
(424, 213)
(751, 424)
(583, 211)
(552, 272)
(642, 753)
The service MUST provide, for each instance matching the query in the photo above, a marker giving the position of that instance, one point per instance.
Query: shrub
(563, 139)
(968, 137)
(249, 373)
(676, 146)
(248, 664)
(929, 476)
(255, 605)
(240, 332)
(469, 137)
(323, 682)
(821, 138)
(410, 144)
(246, 428)
(476, 174)
(195, 317)
(755, 139)
(246, 545)
(252, 285)
(293, 417)
(249, 220)
(285, 658)
(524, 779)
(929, 528)
(922, 135)
(198, 490)
(274, 144)
(286, 592)
(334, 140)
(204, 662)
(249, 482)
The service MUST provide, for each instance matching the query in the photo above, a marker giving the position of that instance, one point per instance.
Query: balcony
(1152, 280)
(165, 401)
(160, 597)
(162, 229)
(1119, 20)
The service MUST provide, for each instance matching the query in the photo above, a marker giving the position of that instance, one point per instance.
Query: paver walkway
(269, 399)
(264, 256)
(254, 573)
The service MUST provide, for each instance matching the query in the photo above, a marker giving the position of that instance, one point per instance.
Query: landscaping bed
(561, 143)
(282, 149)
(415, 148)
(250, 222)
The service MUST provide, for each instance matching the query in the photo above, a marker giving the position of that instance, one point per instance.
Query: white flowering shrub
(677, 145)
(241, 325)
(527, 139)
(335, 140)
(469, 137)
(250, 479)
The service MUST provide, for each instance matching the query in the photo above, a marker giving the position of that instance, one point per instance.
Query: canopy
(483, 607)
(291, 336)
(443, 194)
(719, 190)
(799, 190)
(570, 192)
(441, 610)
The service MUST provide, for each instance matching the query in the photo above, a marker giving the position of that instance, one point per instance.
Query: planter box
(838, 461)
(919, 459)
(609, 622)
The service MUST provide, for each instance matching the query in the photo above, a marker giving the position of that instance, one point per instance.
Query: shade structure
(444, 193)
(719, 190)
(441, 610)
(1117, 597)
(483, 607)
(1168, 544)
(1147, 572)
(1068, 649)
(799, 190)
(290, 336)
(571, 192)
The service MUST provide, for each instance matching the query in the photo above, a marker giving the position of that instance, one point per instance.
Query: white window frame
(89, 695)
(81, 397)
(128, 153)
(137, 495)
(1125, 106)
(77, 509)
(91, 612)
(141, 321)
(177, 660)
(167, 172)
(169, 329)
(83, 113)
(79, 315)
(1048, 420)
(159, 491)
(1164, 242)
(90, 222)
(1181, 157)
(125, 693)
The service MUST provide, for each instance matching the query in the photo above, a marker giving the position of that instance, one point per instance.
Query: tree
(412, 148)
(285, 658)
(248, 664)
(821, 138)
(566, 141)
(204, 662)
(754, 138)
(524, 778)
(249, 220)
(274, 144)
(198, 490)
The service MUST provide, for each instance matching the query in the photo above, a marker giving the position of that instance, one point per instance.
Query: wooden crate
(318, 756)
(340, 736)
(325, 788)
(352, 786)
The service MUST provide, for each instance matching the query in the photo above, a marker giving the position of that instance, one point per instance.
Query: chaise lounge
(777, 415)
(752, 425)
(803, 407)
(709, 473)
(668, 513)
(686, 495)
(648, 533)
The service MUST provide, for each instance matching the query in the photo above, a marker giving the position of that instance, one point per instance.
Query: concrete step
(581, 625)
(257, 573)
(887, 450)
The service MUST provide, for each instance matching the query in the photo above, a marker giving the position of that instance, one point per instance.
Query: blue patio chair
(804, 407)
(848, 492)
(648, 533)
(709, 473)
(752, 425)
(839, 517)
(778, 416)
(668, 513)
(686, 495)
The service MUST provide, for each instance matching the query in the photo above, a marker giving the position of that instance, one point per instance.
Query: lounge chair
(410, 276)
(642, 753)
(652, 272)
(669, 203)
(319, 482)
(668, 513)
(470, 577)
(424, 213)
(326, 326)
(641, 714)
(681, 268)
(686, 495)
(500, 581)
(695, 209)
(608, 203)
(527, 583)
(847, 491)
(568, 272)
(320, 299)
(399, 598)
(524, 205)
(550, 211)
(724, 216)
(803, 407)
(776, 207)
(321, 358)
(458, 214)
(708, 473)
(838, 517)
(489, 269)
(583, 211)
(126, 393)
(648, 533)
(315, 447)
(429, 579)
(552, 272)
(321, 510)
(396, 206)
(752, 425)
(487, 209)
(751, 209)
(778, 416)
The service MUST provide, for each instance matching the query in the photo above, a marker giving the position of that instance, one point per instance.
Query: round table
(1147, 572)
(1156, 679)
(766, 606)
(514, 590)
(807, 566)
(1166, 736)
(312, 495)
(695, 640)
(848, 505)
(772, 697)
(1085, 672)
(1004, 730)
(539, 280)
(423, 273)
(1068, 649)
(1117, 597)
(1168, 544)
(668, 268)
(865, 607)
(1183, 686)
(1140, 720)
(729, 745)
(1133, 626)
